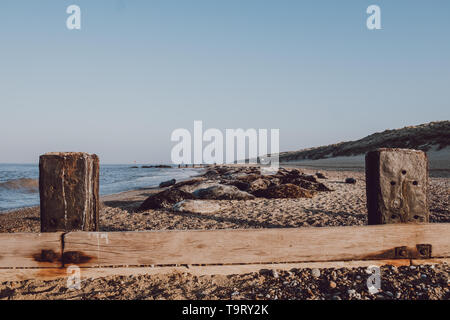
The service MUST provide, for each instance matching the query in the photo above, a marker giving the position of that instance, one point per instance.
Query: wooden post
(396, 186)
(69, 191)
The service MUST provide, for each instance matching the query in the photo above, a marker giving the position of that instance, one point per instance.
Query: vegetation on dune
(421, 137)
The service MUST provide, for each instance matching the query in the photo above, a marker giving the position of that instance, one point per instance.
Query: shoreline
(344, 206)
(107, 197)
(308, 165)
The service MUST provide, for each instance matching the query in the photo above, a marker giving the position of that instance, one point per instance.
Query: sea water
(18, 182)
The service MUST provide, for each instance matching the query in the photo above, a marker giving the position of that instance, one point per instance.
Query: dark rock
(191, 188)
(223, 170)
(165, 199)
(274, 180)
(167, 183)
(259, 184)
(283, 171)
(306, 184)
(222, 192)
(212, 173)
(284, 191)
(266, 272)
(350, 180)
(241, 185)
(189, 182)
(291, 177)
(309, 178)
(294, 173)
(320, 175)
(249, 177)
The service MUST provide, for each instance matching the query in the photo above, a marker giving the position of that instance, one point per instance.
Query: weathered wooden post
(69, 191)
(396, 186)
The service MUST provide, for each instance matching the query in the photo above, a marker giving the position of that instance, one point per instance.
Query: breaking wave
(23, 184)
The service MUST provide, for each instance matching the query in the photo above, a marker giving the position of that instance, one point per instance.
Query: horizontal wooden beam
(30, 250)
(255, 246)
(223, 247)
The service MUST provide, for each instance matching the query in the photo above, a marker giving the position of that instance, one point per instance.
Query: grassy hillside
(422, 137)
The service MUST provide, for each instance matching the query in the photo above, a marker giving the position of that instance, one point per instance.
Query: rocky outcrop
(309, 185)
(235, 183)
(222, 192)
(260, 184)
(320, 175)
(248, 177)
(241, 185)
(189, 182)
(211, 174)
(165, 199)
(284, 191)
(168, 183)
(191, 188)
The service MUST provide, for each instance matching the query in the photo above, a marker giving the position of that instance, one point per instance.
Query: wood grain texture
(253, 246)
(25, 250)
(69, 191)
(396, 186)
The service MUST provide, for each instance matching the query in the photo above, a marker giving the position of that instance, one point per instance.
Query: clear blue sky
(140, 69)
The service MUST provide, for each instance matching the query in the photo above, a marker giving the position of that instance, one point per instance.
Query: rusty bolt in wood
(401, 252)
(424, 250)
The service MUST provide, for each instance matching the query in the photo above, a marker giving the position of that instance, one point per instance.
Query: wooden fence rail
(48, 254)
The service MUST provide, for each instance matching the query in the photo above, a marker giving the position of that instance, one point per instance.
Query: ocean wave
(23, 184)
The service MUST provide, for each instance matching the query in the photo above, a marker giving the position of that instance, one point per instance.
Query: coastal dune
(433, 138)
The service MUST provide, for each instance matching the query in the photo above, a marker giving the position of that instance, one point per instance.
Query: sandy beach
(345, 205)
(414, 282)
